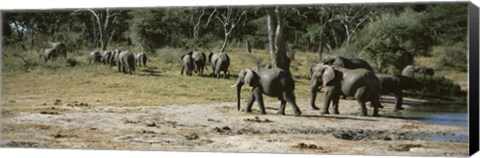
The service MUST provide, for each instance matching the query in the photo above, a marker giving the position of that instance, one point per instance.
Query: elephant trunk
(239, 88)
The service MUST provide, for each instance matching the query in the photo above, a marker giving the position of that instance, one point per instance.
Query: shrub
(453, 57)
(168, 55)
(394, 40)
(439, 87)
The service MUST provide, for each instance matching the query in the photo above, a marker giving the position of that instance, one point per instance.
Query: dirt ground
(219, 127)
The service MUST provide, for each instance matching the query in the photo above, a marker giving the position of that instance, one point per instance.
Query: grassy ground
(51, 105)
(159, 84)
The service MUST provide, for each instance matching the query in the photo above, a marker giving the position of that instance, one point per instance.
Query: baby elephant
(141, 59)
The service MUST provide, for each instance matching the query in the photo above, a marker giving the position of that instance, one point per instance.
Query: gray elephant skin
(220, 62)
(395, 84)
(95, 57)
(425, 71)
(187, 64)
(412, 70)
(349, 63)
(272, 82)
(126, 61)
(114, 58)
(199, 61)
(60, 48)
(361, 84)
(106, 57)
(47, 54)
(141, 59)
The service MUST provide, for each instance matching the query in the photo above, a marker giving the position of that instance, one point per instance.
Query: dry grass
(159, 84)
(458, 77)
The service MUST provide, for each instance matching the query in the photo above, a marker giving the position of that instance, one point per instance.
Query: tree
(394, 40)
(229, 18)
(276, 39)
(103, 19)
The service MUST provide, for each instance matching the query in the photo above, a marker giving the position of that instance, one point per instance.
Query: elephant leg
(376, 104)
(290, 98)
(250, 101)
(181, 71)
(313, 94)
(281, 110)
(335, 101)
(119, 67)
(326, 101)
(363, 108)
(398, 101)
(258, 95)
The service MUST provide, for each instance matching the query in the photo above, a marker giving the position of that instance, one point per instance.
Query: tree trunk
(225, 40)
(276, 41)
(282, 59)
(272, 26)
(248, 47)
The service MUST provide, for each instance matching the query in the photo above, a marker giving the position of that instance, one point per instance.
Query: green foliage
(447, 22)
(439, 86)
(452, 57)
(395, 40)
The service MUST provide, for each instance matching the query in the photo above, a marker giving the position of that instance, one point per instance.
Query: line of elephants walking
(341, 76)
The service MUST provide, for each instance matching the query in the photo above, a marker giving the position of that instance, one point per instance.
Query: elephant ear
(181, 58)
(249, 77)
(328, 76)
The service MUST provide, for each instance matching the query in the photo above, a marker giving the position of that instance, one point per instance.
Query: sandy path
(220, 127)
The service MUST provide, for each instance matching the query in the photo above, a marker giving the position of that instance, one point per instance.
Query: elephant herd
(123, 59)
(53, 52)
(341, 76)
(195, 61)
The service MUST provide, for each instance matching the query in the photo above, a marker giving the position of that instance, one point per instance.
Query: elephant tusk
(235, 85)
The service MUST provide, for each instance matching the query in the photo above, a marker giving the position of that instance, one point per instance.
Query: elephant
(362, 84)
(425, 71)
(411, 70)
(199, 61)
(95, 56)
(60, 48)
(114, 58)
(141, 59)
(395, 84)
(187, 64)
(310, 70)
(47, 54)
(352, 63)
(273, 82)
(106, 57)
(126, 60)
(220, 62)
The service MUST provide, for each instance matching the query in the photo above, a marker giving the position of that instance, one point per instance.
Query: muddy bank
(220, 127)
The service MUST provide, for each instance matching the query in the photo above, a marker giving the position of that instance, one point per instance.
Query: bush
(393, 41)
(453, 57)
(439, 87)
(169, 55)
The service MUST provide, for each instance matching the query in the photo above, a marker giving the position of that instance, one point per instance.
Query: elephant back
(354, 79)
(409, 71)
